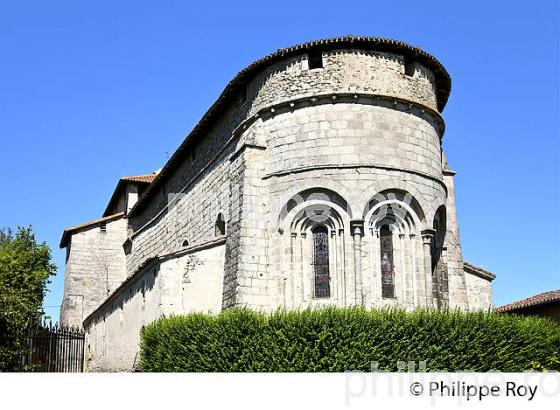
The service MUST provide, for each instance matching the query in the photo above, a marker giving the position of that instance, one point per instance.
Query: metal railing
(54, 348)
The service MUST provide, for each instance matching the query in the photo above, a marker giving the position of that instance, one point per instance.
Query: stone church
(317, 177)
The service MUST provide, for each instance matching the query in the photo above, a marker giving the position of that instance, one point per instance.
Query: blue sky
(91, 91)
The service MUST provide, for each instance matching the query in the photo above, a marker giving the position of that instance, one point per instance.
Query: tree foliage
(25, 268)
(342, 339)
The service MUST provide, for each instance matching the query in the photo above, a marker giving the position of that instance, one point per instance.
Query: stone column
(333, 266)
(376, 267)
(306, 260)
(427, 240)
(413, 269)
(293, 270)
(357, 229)
(342, 253)
(403, 270)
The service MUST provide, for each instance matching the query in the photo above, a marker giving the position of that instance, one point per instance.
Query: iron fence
(54, 348)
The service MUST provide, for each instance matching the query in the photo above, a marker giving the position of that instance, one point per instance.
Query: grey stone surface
(95, 267)
(358, 138)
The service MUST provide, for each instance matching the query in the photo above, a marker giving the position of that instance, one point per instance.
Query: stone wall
(187, 282)
(344, 71)
(95, 267)
(479, 292)
(189, 216)
(343, 150)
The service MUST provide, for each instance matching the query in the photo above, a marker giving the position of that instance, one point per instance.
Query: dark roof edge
(478, 271)
(443, 87)
(73, 229)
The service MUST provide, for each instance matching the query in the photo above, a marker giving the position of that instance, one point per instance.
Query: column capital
(428, 235)
(357, 227)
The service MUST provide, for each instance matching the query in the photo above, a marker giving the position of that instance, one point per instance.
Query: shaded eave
(234, 87)
(68, 232)
(478, 271)
(536, 300)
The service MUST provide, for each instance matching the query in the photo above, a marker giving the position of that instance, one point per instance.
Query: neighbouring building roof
(478, 271)
(68, 232)
(234, 87)
(540, 299)
(138, 179)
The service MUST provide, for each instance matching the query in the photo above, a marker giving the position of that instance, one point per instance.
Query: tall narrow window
(321, 262)
(220, 226)
(387, 277)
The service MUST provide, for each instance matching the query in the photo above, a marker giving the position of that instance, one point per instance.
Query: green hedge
(341, 339)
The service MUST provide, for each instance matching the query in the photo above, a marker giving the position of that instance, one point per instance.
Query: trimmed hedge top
(342, 339)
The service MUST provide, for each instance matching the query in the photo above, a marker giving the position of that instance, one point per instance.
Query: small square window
(409, 68)
(315, 60)
(103, 227)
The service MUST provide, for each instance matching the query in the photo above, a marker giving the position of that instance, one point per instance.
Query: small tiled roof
(540, 299)
(232, 90)
(478, 271)
(73, 229)
(140, 178)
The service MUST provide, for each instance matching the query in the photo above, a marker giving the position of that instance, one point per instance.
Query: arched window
(387, 276)
(321, 262)
(220, 227)
(439, 266)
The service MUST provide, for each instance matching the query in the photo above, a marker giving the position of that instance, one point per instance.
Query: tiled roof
(478, 271)
(140, 178)
(69, 231)
(234, 87)
(540, 299)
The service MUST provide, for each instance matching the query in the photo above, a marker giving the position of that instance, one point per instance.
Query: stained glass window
(387, 274)
(321, 262)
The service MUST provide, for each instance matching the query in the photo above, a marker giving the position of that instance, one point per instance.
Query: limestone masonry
(317, 177)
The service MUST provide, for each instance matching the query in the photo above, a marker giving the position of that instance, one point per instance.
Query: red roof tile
(540, 299)
(140, 178)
